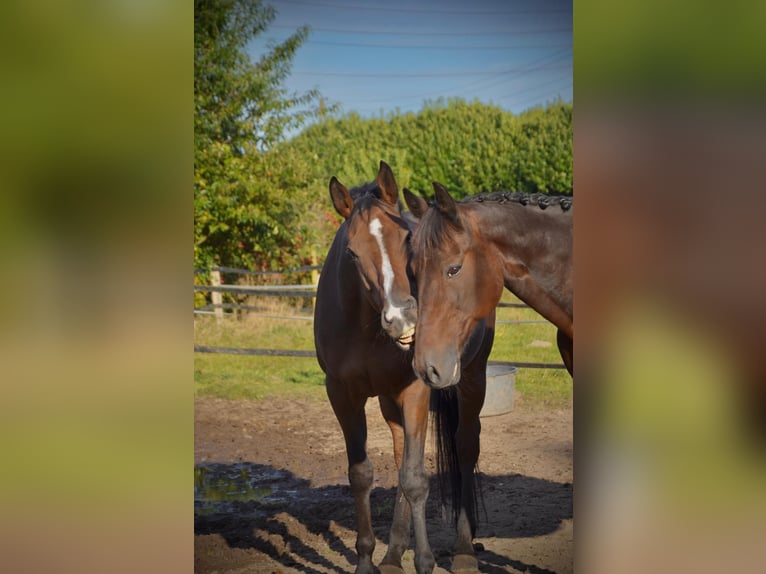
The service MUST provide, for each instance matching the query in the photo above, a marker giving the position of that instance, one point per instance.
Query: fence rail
(293, 291)
(309, 291)
(285, 291)
(235, 271)
(295, 353)
(259, 312)
(261, 290)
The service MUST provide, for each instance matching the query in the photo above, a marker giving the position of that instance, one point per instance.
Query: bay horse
(465, 252)
(364, 329)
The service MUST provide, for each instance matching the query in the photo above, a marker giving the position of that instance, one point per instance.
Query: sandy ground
(272, 495)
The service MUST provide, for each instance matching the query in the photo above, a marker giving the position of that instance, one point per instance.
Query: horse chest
(374, 368)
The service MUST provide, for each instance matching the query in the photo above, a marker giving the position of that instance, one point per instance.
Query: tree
(467, 146)
(543, 157)
(244, 213)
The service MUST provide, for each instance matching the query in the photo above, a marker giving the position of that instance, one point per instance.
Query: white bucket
(501, 381)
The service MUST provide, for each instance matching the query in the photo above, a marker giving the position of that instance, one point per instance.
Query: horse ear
(417, 204)
(387, 184)
(445, 203)
(341, 198)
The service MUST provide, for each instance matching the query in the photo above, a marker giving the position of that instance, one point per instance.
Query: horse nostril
(433, 374)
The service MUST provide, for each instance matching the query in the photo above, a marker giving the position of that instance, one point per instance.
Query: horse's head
(378, 244)
(459, 283)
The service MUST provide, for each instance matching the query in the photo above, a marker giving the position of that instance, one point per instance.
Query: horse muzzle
(399, 323)
(440, 375)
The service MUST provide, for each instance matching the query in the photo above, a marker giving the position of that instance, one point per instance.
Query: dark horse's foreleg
(350, 414)
(471, 393)
(400, 527)
(566, 348)
(413, 479)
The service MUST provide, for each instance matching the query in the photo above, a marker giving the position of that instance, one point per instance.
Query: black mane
(366, 195)
(541, 200)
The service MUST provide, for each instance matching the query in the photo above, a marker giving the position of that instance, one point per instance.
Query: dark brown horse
(465, 252)
(363, 331)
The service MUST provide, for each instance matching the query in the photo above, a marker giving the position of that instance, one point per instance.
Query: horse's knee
(414, 485)
(360, 476)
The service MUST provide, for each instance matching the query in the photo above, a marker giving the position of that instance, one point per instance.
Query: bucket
(501, 381)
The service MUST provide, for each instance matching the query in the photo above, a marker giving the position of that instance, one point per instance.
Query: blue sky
(373, 56)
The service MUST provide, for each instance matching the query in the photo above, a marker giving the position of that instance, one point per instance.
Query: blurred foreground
(671, 395)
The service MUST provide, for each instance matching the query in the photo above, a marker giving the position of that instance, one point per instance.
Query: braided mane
(433, 228)
(540, 200)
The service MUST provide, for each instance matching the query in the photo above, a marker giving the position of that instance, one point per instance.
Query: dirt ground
(272, 495)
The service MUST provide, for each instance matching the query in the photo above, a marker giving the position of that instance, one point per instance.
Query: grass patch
(256, 377)
(531, 343)
(246, 377)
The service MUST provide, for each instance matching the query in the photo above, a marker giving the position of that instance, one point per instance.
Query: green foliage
(261, 200)
(247, 201)
(467, 146)
(542, 158)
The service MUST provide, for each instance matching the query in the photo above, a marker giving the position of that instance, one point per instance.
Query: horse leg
(353, 422)
(471, 393)
(566, 348)
(413, 479)
(400, 527)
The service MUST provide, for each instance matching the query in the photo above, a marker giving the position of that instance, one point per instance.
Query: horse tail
(446, 414)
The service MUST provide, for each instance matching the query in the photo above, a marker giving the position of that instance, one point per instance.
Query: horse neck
(527, 237)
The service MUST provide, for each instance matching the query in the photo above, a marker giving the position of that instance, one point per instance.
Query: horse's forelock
(367, 195)
(432, 232)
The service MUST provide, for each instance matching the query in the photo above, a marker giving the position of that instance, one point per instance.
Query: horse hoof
(465, 564)
(390, 569)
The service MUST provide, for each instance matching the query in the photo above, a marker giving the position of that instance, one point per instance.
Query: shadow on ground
(255, 507)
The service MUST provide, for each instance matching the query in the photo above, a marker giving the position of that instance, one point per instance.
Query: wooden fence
(217, 308)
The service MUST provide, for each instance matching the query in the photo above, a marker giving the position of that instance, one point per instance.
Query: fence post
(314, 275)
(216, 296)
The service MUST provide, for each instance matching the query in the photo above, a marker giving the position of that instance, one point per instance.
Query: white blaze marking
(386, 268)
(388, 271)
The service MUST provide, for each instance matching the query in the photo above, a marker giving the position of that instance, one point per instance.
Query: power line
(462, 73)
(535, 87)
(424, 11)
(447, 92)
(529, 101)
(371, 106)
(512, 97)
(541, 64)
(427, 33)
(433, 46)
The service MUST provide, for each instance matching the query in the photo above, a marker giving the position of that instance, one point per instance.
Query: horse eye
(351, 254)
(453, 270)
